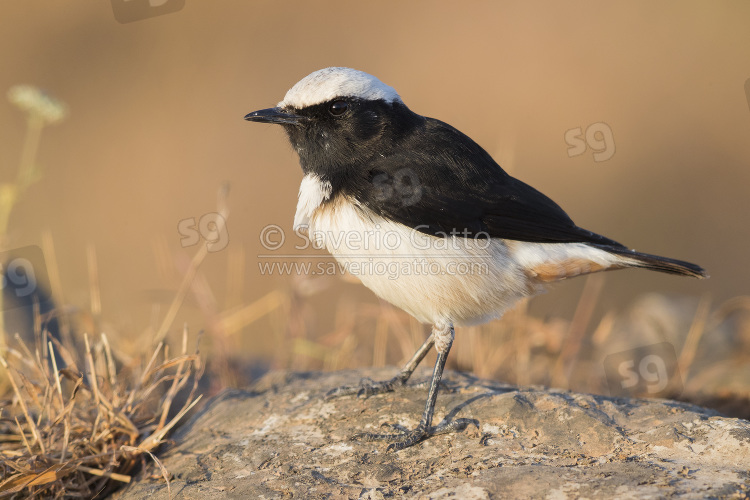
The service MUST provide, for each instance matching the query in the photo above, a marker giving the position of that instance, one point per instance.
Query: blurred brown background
(155, 128)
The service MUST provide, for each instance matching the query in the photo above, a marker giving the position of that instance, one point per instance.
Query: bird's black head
(337, 119)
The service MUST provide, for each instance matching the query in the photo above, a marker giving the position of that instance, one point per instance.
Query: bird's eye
(338, 108)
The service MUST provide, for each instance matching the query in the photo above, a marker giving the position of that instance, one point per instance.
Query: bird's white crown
(329, 83)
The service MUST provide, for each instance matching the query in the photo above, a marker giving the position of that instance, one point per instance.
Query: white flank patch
(326, 84)
(530, 255)
(312, 192)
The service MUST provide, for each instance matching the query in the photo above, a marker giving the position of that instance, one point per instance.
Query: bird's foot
(406, 438)
(366, 388)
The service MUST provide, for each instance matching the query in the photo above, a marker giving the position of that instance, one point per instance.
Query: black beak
(275, 115)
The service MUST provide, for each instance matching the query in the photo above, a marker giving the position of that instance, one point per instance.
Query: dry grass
(79, 433)
(79, 429)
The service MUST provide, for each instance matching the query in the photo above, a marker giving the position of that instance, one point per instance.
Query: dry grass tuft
(80, 433)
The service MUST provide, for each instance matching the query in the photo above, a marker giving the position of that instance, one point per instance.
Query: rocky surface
(283, 440)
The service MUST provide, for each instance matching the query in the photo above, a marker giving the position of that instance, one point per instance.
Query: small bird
(386, 191)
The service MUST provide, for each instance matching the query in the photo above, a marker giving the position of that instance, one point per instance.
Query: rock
(282, 440)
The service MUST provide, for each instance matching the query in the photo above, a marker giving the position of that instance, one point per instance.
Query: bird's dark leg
(443, 338)
(368, 388)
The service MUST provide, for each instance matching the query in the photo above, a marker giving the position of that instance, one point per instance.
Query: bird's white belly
(462, 280)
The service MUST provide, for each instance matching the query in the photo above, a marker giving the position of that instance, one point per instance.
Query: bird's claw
(406, 438)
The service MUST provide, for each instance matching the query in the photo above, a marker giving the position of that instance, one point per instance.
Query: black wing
(442, 182)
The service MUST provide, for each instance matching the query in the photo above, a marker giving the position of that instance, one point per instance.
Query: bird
(386, 189)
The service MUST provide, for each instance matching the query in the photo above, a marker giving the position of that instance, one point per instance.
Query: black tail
(656, 263)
